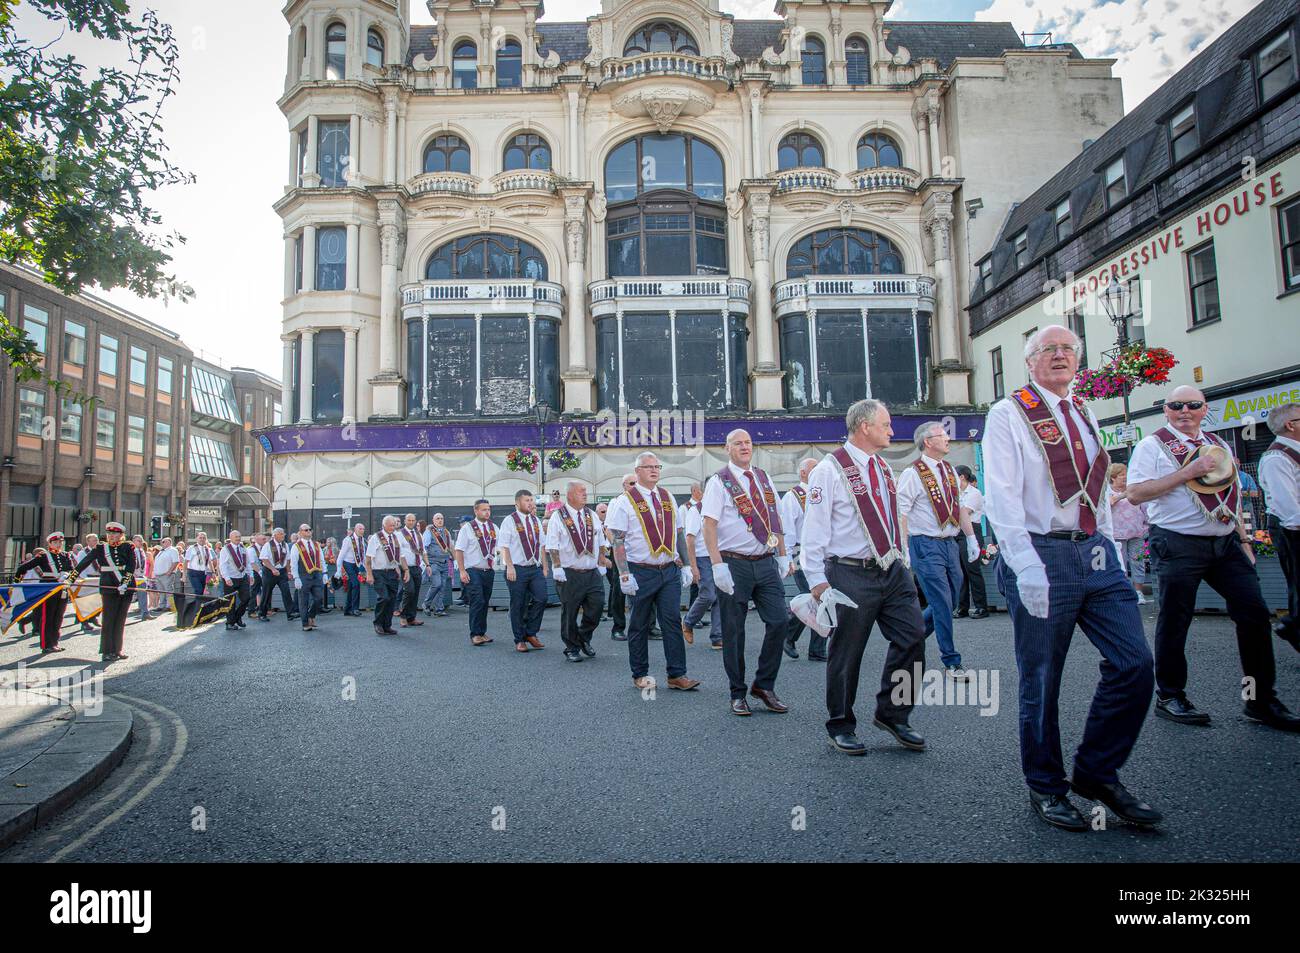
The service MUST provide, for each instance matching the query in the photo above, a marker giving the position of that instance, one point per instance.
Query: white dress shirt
(914, 500)
(268, 553)
(733, 535)
(414, 545)
(557, 538)
(1177, 510)
(467, 543)
(199, 558)
(352, 550)
(693, 525)
(620, 517)
(228, 568)
(378, 556)
(508, 538)
(1020, 499)
(832, 525)
(317, 558)
(791, 518)
(1279, 475)
(166, 561)
(973, 500)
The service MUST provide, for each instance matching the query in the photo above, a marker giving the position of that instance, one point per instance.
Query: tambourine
(1218, 479)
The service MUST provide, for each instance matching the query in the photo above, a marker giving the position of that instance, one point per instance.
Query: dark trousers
(411, 593)
(255, 586)
(353, 601)
(759, 580)
(113, 618)
(617, 602)
(582, 592)
(972, 582)
(311, 596)
(270, 584)
(49, 620)
(1180, 563)
(794, 628)
(527, 601)
(479, 593)
(1095, 595)
(237, 608)
(659, 591)
(887, 598)
(1287, 542)
(387, 583)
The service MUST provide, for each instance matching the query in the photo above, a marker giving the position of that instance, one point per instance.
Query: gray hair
(411, 516)
(1032, 342)
(863, 412)
(644, 454)
(574, 485)
(924, 432)
(1281, 415)
(390, 516)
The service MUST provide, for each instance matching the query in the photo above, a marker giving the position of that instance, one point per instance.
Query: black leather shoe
(1274, 714)
(570, 655)
(618, 635)
(1122, 802)
(980, 614)
(1057, 810)
(379, 630)
(1288, 632)
(903, 733)
(818, 658)
(959, 614)
(656, 635)
(587, 650)
(849, 744)
(1178, 709)
(740, 707)
(788, 647)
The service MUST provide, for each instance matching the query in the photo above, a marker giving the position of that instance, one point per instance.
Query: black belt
(385, 570)
(1073, 535)
(855, 563)
(567, 570)
(726, 554)
(649, 565)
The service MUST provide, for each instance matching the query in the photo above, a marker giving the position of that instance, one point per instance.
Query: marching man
(351, 565)
(476, 545)
(852, 542)
(413, 542)
(697, 557)
(1197, 534)
(115, 560)
(575, 538)
(793, 506)
(1046, 483)
(642, 527)
(519, 541)
(307, 567)
(1279, 474)
(275, 575)
(233, 566)
(929, 503)
(387, 567)
(52, 565)
(742, 530)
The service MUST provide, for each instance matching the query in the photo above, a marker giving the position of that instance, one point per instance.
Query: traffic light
(155, 527)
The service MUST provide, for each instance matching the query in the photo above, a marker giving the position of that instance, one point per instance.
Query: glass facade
(693, 360)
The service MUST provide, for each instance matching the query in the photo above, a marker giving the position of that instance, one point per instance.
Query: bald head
(740, 448)
(806, 467)
(1185, 392)
(1185, 409)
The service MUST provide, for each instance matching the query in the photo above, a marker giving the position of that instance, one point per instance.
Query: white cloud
(1150, 39)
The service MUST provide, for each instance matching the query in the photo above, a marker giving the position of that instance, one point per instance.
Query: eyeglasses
(1055, 349)
(651, 466)
(1180, 404)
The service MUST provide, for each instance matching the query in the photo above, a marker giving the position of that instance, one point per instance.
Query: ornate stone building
(660, 209)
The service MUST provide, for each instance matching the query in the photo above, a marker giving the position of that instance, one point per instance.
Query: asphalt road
(249, 746)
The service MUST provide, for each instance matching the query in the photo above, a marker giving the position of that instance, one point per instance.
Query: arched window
(488, 255)
(510, 65)
(843, 251)
(446, 153)
(857, 61)
(375, 49)
(799, 149)
(464, 66)
(666, 215)
(527, 151)
(876, 149)
(336, 51)
(660, 37)
(814, 61)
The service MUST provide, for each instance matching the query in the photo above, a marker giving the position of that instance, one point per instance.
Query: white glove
(820, 615)
(628, 584)
(686, 577)
(783, 565)
(972, 549)
(601, 570)
(1032, 584)
(121, 590)
(297, 583)
(722, 579)
(558, 573)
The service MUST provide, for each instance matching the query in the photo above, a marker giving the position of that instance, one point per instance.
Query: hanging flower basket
(1264, 544)
(522, 460)
(563, 460)
(1134, 366)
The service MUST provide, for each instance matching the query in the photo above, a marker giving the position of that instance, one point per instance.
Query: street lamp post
(1117, 299)
(542, 413)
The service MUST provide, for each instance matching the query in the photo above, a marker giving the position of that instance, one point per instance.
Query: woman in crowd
(1130, 524)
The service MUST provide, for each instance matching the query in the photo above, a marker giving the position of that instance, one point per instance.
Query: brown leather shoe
(535, 642)
(682, 683)
(479, 640)
(689, 635)
(740, 707)
(770, 700)
(521, 647)
(644, 682)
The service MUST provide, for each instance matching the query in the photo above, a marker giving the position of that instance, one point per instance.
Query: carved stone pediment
(664, 104)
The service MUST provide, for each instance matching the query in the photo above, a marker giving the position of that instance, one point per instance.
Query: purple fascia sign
(604, 430)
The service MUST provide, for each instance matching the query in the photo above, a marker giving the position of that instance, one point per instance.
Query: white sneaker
(958, 674)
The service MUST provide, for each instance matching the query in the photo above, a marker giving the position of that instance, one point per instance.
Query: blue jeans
(198, 581)
(938, 569)
(353, 601)
(437, 584)
(706, 600)
(1101, 601)
(659, 591)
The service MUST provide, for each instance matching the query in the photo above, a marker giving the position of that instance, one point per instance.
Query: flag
(86, 600)
(202, 610)
(21, 599)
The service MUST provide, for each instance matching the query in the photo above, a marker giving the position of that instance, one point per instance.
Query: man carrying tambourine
(1188, 479)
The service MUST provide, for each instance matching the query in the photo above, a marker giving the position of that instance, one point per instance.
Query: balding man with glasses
(1279, 475)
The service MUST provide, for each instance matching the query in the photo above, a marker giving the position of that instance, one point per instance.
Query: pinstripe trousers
(1086, 587)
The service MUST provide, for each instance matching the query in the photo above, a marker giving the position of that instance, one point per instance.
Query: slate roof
(941, 41)
(1221, 81)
